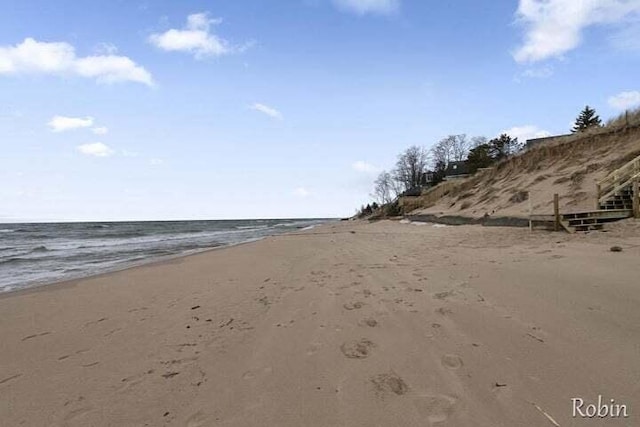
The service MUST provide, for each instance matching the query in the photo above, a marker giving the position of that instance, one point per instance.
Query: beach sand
(348, 324)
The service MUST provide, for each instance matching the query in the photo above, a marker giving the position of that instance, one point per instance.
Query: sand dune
(526, 183)
(350, 324)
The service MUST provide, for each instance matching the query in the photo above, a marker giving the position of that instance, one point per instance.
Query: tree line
(417, 167)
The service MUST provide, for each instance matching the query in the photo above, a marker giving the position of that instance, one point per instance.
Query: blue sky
(132, 110)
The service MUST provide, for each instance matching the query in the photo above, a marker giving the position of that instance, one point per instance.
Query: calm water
(33, 254)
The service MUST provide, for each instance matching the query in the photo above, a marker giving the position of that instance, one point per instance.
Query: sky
(218, 109)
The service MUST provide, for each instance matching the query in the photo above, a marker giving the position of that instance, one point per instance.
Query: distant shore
(351, 323)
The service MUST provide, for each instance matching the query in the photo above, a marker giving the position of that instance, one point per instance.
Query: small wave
(286, 224)
(99, 226)
(252, 227)
(6, 230)
(14, 260)
(121, 235)
(40, 249)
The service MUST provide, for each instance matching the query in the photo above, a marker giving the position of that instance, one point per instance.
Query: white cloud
(196, 38)
(106, 49)
(523, 133)
(301, 192)
(554, 27)
(364, 167)
(34, 57)
(361, 7)
(156, 162)
(128, 153)
(96, 149)
(61, 123)
(100, 130)
(269, 111)
(625, 100)
(538, 73)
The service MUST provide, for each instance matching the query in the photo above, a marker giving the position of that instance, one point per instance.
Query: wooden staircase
(618, 198)
(592, 221)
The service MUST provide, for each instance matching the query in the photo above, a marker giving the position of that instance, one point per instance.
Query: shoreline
(33, 286)
(353, 323)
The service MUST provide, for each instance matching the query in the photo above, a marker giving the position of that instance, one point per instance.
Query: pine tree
(503, 147)
(479, 157)
(587, 119)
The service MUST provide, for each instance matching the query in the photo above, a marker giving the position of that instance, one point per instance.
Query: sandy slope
(528, 181)
(353, 324)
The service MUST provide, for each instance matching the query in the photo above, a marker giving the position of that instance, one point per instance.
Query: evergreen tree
(479, 157)
(587, 119)
(503, 147)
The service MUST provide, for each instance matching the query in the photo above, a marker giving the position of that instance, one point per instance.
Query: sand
(526, 183)
(349, 324)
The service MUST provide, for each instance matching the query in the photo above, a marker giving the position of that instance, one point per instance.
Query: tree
(586, 119)
(479, 157)
(503, 147)
(411, 164)
(453, 148)
(460, 146)
(478, 140)
(439, 172)
(384, 190)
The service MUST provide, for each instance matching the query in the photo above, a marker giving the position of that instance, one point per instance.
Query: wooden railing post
(556, 212)
(636, 199)
(598, 194)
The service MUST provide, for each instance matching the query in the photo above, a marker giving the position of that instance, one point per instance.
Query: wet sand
(349, 324)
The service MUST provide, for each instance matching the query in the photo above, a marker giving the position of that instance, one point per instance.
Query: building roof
(457, 168)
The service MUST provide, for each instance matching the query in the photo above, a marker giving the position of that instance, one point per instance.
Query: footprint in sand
(357, 349)
(452, 361)
(389, 383)
(353, 305)
(370, 322)
(436, 408)
(196, 420)
(443, 311)
(443, 295)
(257, 372)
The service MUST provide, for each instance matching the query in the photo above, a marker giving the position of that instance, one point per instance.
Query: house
(427, 179)
(456, 170)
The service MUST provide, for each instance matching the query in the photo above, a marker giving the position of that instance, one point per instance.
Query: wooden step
(593, 220)
(609, 213)
(617, 207)
(592, 227)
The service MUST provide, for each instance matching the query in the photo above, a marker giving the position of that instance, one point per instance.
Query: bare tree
(459, 146)
(410, 167)
(384, 190)
(453, 148)
(476, 141)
